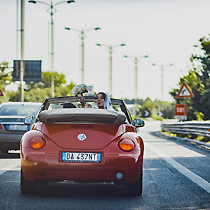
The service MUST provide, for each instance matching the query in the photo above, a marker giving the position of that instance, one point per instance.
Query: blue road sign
(33, 72)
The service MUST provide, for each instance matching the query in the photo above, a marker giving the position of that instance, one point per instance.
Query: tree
(59, 80)
(198, 79)
(5, 75)
(5, 79)
(37, 92)
(158, 109)
(155, 109)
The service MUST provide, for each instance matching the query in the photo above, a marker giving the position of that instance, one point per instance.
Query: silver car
(12, 125)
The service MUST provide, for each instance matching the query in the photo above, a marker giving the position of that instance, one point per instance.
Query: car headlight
(37, 143)
(126, 145)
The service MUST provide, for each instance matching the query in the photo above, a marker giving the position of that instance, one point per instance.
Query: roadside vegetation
(34, 92)
(153, 109)
(204, 139)
(198, 79)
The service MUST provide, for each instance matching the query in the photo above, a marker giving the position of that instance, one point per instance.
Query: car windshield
(90, 102)
(91, 105)
(19, 109)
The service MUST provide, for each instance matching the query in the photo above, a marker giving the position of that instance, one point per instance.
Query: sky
(166, 30)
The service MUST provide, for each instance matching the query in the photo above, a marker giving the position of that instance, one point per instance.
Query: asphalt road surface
(176, 176)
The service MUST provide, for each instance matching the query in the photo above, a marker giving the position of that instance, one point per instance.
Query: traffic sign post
(33, 72)
(181, 109)
(184, 92)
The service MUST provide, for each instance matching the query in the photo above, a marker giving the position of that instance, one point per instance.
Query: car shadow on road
(80, 190)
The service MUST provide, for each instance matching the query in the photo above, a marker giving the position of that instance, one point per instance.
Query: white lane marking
(9, 168)
(7, 165)
(195, 178)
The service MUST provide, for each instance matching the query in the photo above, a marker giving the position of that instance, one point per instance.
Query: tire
(26, 186)
(135, 189)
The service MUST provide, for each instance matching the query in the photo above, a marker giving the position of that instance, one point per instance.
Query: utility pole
(82, 36)
(162, 69)
(51, 10)
(22, 67)
(110, 47)
(136, 61)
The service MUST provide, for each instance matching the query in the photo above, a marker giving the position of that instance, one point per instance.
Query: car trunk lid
(82, 136)
(13, 123)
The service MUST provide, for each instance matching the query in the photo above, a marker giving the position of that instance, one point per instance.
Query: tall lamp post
(22, 66)
(51, 10)
(110, 47)
(136, 61)
(162, 68)
(82, 36)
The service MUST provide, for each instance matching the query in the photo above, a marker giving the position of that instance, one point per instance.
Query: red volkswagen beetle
(66, 142)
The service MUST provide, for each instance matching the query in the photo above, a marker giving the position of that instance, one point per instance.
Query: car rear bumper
(124, 168)
(10, 141)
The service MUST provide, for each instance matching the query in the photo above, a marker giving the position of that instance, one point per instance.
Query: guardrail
(199, 128)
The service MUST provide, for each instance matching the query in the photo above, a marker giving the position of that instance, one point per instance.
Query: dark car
(67, 142)
(12, 125)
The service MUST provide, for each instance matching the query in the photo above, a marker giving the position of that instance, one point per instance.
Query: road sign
(184, 92)
(32, 71)
(181, 111)
(1, 93)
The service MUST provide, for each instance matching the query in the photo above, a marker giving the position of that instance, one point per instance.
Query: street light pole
(136, 77)
(82, 36)
(162, 81)
(22, 66)
(83, 55)
(17, 46)
(110, 69)
(162, 69)
(136, 61)
(51, 11)
(17, 30)
(110, 47)
(52, 50)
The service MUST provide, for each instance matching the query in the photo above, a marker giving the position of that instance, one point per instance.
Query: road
(176, 176)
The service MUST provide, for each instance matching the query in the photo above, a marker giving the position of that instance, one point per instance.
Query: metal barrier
(199, 128)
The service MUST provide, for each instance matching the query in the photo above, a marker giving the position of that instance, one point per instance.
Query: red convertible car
(67, 142)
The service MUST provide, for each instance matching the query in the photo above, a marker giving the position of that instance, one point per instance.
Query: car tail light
(126, 145)
(0, 127)
(37, 143)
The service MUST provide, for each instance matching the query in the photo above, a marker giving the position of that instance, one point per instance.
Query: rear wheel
(26, 186)
(135, 188)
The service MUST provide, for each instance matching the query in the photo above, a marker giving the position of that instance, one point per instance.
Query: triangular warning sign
(1, 93)
(184, 92)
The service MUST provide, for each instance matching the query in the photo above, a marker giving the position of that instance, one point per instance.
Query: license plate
(18, 127)
(81, 157)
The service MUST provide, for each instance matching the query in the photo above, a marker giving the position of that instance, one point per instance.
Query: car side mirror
(138, 123)
(29, 120)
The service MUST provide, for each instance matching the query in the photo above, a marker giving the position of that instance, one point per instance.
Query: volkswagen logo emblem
(81, 137)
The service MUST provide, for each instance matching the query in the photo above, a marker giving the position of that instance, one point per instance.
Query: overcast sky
(166, 30)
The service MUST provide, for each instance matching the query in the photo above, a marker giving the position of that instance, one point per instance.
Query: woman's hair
(102, 93)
